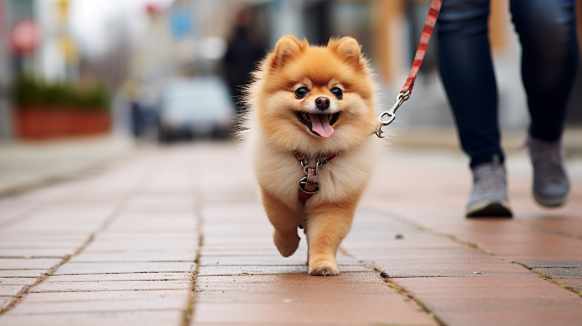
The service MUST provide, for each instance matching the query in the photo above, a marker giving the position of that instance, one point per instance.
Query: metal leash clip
(387, 117)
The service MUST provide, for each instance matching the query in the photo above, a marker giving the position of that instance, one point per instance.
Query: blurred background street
(110, 110)
(87, 67)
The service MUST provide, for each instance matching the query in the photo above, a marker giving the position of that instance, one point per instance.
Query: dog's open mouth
(318, 124)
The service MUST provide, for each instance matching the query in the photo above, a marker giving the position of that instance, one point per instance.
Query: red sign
(25, 36)
(151, 9)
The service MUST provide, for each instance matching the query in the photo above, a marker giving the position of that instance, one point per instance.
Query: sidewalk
(24, 165)
(177, 236)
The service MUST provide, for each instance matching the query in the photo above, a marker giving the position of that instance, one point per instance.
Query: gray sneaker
(551, 187)
(489, 195)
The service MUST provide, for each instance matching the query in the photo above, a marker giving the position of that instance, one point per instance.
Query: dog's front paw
(286, 243)
(323, 268)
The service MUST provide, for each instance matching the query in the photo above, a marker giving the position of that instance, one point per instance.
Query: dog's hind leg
(285, 221)
(327, 226)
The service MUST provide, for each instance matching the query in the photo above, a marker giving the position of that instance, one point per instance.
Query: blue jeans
(547, 32)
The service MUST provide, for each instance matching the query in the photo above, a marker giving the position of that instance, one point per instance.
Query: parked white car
(196, 107)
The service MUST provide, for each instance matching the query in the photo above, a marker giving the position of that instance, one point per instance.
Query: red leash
(387, 117)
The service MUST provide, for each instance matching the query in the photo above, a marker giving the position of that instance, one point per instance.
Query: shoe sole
(553, 203)
(490, 210)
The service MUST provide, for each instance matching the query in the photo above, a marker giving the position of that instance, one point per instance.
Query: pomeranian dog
(311, 115)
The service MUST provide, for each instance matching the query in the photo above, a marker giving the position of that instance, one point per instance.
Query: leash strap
(387, 117)
(431, 18)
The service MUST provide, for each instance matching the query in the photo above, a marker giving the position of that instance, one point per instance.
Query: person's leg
(467, 72)
(547, 31)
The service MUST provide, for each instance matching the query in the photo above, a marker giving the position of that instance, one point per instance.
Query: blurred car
(195, 107)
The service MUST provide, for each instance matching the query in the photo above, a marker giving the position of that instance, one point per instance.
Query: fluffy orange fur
(274, 131)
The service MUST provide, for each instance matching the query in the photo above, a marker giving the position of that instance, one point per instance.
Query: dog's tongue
(320, 124)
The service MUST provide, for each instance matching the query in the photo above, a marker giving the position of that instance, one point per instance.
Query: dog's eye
(337, 92)
(301, 92)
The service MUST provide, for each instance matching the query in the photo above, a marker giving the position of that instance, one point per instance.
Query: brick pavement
(176, 236)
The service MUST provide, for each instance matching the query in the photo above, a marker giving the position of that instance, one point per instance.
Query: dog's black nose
(322, 103)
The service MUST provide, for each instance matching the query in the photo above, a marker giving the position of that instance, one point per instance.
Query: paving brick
(497, 300)
(573, 283)
(150, 231)
(120, 318)
(140, 237)
(15, 263)
(154, 302)
(110, 286)
(346, 287)
(250, 270)
(565, 225)
(383, 244)
(453, 269)
(151, 256)
(23, 273)
(266, 241)
(257, 270)
(291, 278)
(524, 244)
(159, 202)
(268, 251)
(296, 287)
(49, 297)
(572, 272)
(17, 281)
(550, 263)
(123, 267)
(120, 277)
(437, 255)
(170, 215)
(308, 313)
(36, 253)
(8, 290)
(562, 256)
(140, 246)
(241, 246)
(276, 260)
(157, 225)
(42, 246)
(63, 227)
(30, 237)
(476, 226)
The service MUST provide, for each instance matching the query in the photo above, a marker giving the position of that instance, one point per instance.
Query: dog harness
(308, 185)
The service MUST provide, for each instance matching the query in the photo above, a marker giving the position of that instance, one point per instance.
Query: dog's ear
(347, 48)
(287, 47)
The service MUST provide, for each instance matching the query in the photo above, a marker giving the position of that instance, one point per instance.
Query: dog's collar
(308, 185)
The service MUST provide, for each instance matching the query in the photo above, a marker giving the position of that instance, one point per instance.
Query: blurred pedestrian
(244, 50)
(547, 33)
(131, 90)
